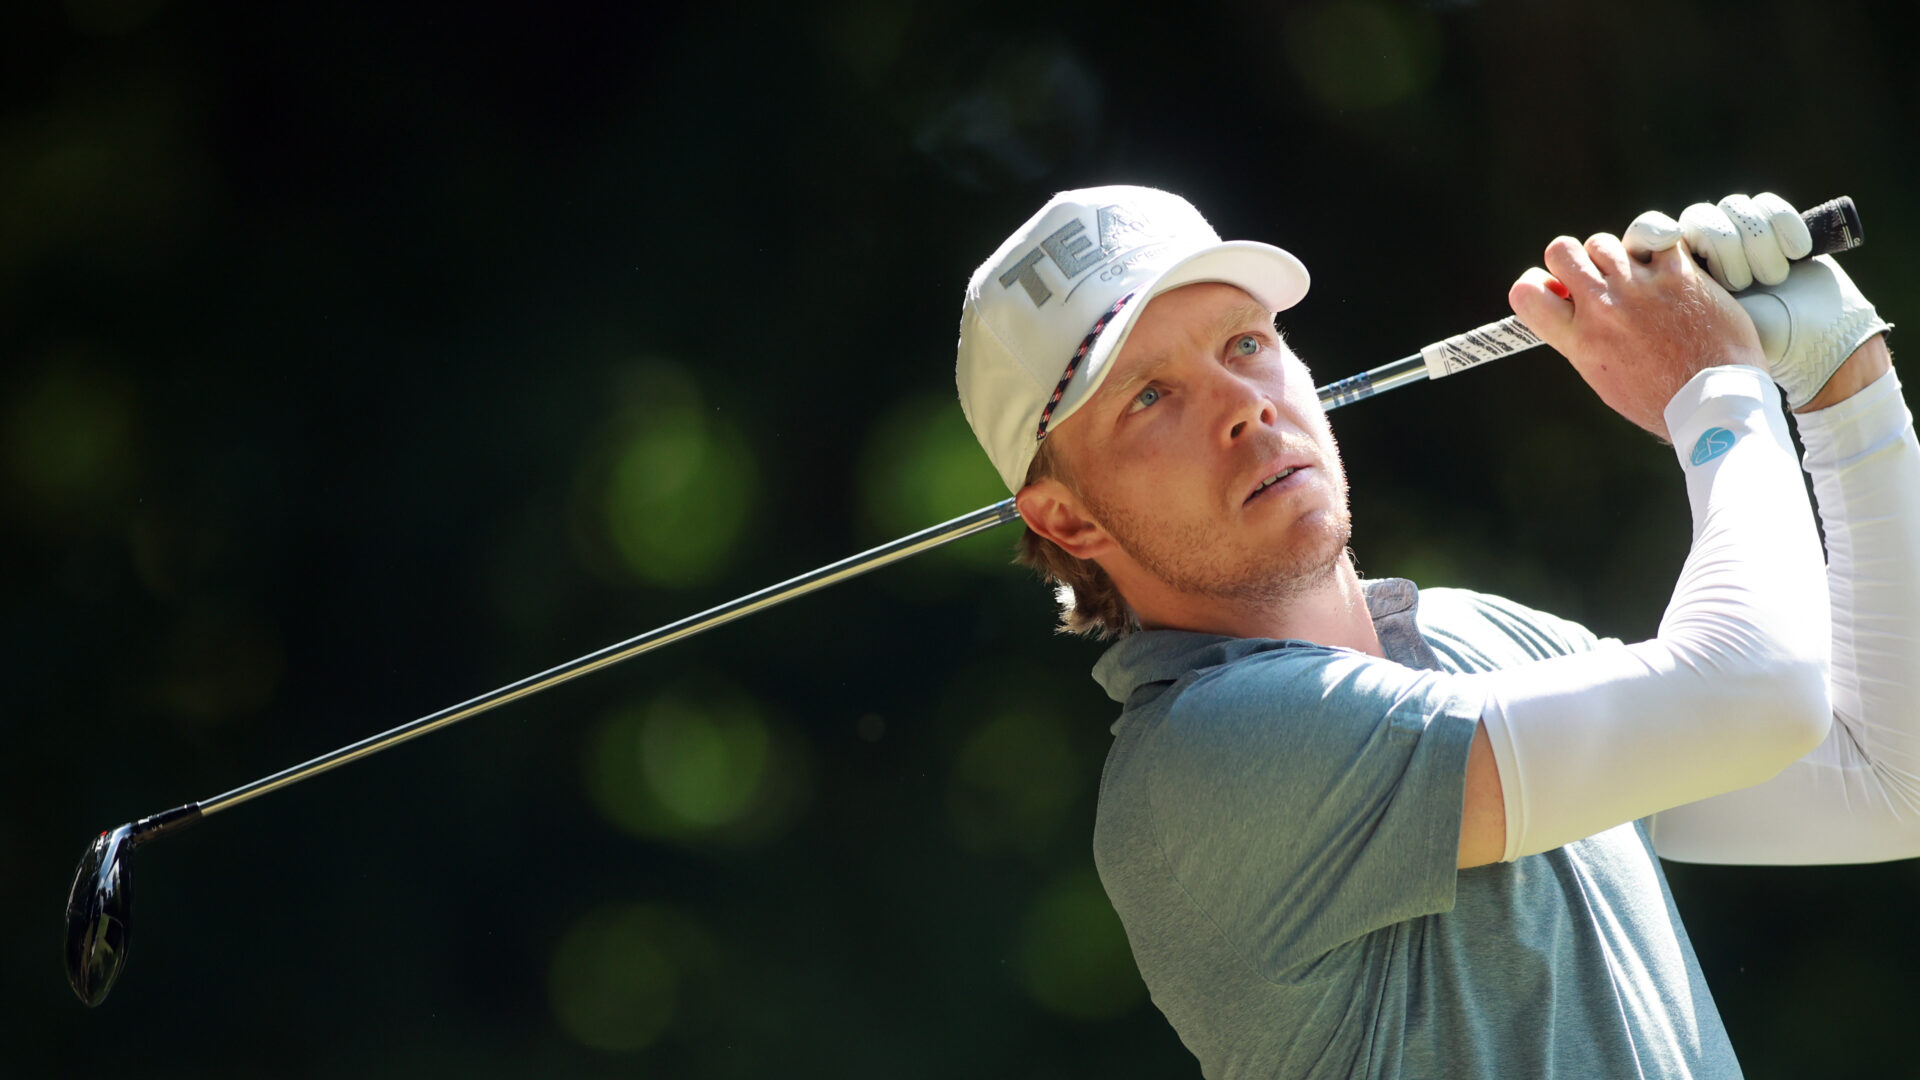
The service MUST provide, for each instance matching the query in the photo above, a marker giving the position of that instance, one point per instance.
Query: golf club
(100, 904)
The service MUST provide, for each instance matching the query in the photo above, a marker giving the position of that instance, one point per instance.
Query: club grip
(1835, 226)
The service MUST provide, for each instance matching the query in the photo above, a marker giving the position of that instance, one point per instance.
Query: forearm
(1865, 465)
(1855, 798)
(1729, 692)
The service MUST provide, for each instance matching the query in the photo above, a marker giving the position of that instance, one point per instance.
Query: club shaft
(1410, 369)
(905, 547)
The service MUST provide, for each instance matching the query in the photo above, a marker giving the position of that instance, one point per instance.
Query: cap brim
(1271, 275)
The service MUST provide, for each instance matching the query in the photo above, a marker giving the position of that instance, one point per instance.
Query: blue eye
(1246, 345)
(1145, 398)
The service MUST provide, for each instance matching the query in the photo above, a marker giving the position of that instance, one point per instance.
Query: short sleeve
(1305, 797)
(1473, 631)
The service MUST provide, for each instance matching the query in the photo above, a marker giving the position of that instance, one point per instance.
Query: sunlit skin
(1166, 461)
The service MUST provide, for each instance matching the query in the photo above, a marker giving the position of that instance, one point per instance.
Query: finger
(1769, 266)
(1795, 241)
(1676, 259)
(1650, 232)
(1714, 239)
(1609, 255)
(1567, 260)
(1540, 301)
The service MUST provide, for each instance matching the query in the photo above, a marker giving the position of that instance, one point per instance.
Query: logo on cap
(1120, 228)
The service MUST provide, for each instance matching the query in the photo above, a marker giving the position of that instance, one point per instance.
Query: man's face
(1175, 456)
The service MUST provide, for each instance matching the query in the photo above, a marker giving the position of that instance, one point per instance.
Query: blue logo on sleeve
(1712, 443)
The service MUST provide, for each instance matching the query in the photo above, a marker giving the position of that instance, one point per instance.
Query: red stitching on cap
(1073, 365)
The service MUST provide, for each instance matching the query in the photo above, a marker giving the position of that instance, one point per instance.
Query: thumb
(1650, 232)
(1771, 320)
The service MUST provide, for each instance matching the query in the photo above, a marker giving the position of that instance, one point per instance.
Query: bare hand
(1636, 332)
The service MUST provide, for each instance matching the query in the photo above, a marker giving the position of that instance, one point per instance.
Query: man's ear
(1051, 510)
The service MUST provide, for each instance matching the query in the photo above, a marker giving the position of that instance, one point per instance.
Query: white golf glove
(1740, 240)
(1809, 325)
(1810, 315)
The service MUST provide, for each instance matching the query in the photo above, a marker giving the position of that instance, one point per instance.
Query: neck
(1330, 611)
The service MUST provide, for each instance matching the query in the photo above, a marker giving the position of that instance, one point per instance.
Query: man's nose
(1246, 404)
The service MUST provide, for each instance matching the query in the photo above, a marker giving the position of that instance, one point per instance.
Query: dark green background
(357, 358)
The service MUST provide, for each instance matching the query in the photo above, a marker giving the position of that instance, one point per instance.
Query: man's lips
(1279, 478)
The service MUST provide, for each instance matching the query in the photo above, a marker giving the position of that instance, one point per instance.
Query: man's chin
(1308, 562)
(1315, 552)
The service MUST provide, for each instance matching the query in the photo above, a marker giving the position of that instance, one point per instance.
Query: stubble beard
(1189, 559)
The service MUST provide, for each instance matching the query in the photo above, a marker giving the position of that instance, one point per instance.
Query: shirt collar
(1163, 656)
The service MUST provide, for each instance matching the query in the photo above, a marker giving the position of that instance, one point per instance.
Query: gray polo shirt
(1278, 827)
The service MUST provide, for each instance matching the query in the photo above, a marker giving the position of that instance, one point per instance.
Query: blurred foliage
(1362, 54)
(1074, 956)
(1015, 781)
(921, 465)
(616, 977)
(697, 767)
(70, 442)
(672, 486)
(358, 358)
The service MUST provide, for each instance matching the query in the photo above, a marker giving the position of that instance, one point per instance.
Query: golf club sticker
(1712, 443)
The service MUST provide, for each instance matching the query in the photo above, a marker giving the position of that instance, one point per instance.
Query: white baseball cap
(1046, 315)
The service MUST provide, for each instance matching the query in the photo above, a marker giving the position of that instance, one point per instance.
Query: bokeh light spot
(1363, 54)
(1074, 957)
(696, 766)
(704, 766)
(65, 190)
(1013, 782)
(611, 984)
(678, 482)
(922, 466)
(69, 435)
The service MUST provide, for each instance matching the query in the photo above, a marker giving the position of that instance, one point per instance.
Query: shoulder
(1301, 677)
(1288, 801)
(1475, 631)
(1305, 708)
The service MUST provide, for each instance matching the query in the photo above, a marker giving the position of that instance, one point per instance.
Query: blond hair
(1090, 603)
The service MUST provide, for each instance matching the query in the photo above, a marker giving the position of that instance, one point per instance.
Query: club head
(98, 909)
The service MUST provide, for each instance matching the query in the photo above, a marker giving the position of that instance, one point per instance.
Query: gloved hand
(1809, 325)
(1740, 240)
(1810, 315)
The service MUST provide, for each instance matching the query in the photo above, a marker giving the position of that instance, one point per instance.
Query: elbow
(1792, 698)
(1775, 684)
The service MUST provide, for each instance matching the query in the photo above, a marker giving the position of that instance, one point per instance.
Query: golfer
(1355, 828)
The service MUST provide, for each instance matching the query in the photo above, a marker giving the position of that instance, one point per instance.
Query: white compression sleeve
(1856, 797)
(1731, 690)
